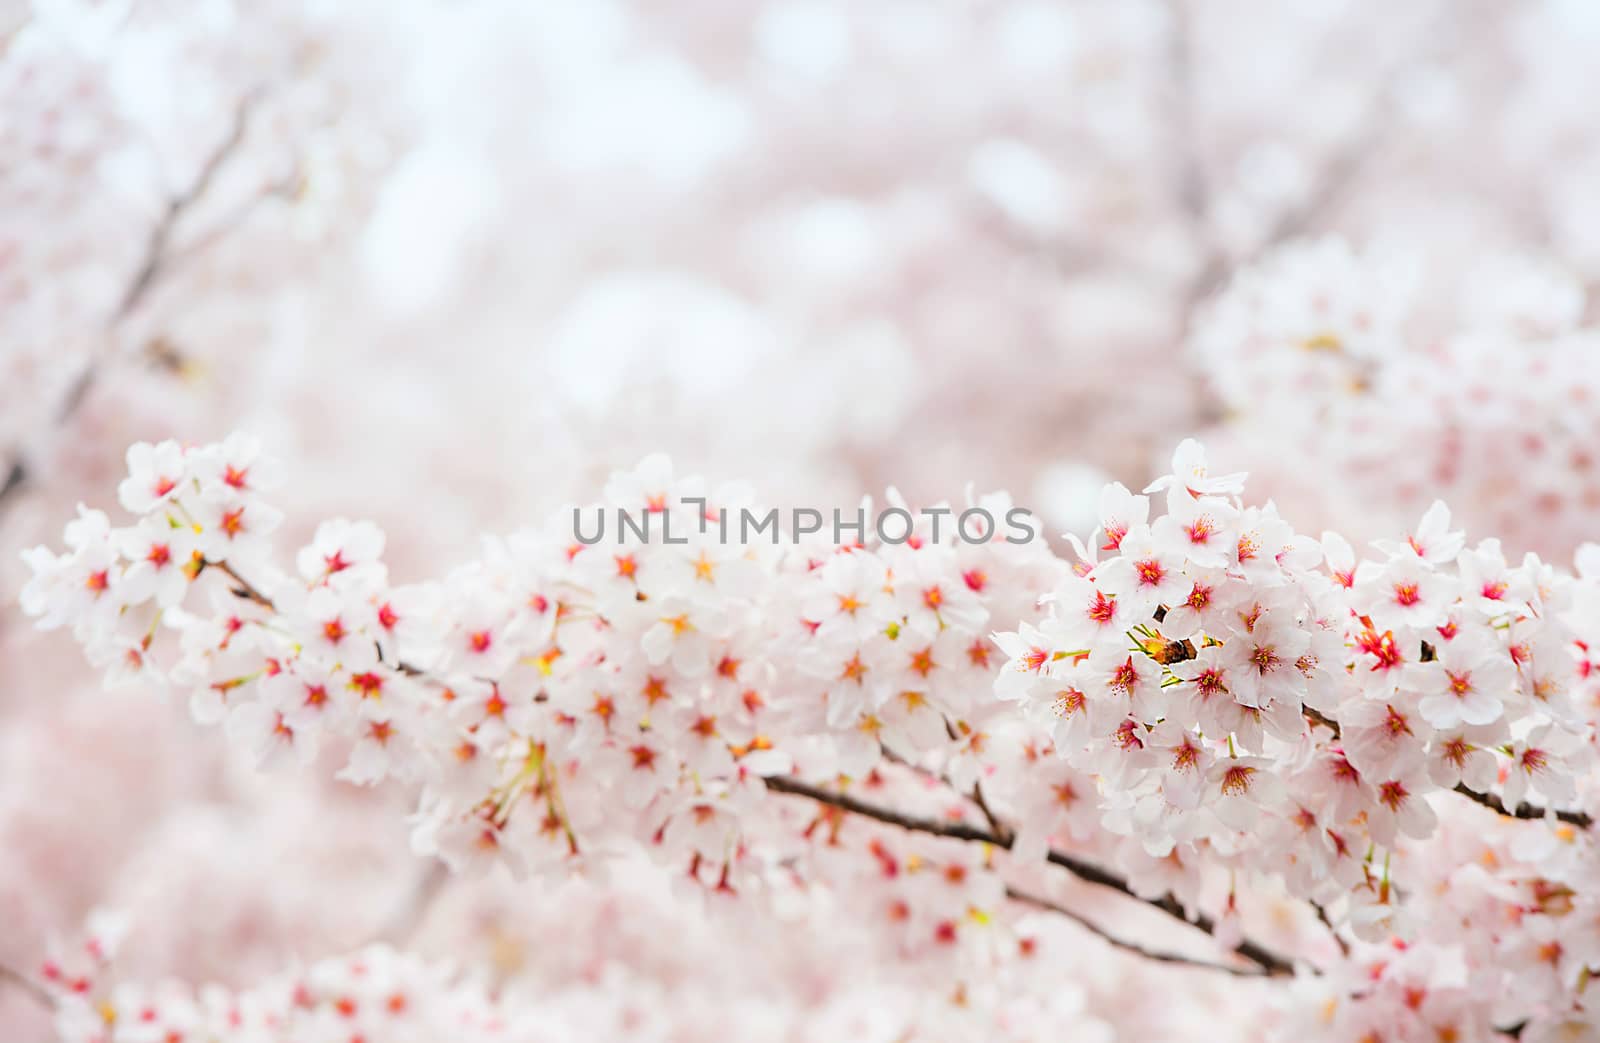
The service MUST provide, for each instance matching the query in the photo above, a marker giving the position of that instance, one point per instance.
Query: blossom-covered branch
(1208, 697)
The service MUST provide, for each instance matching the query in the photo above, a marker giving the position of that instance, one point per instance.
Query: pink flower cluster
(1345, 356)
(1209, 692)
(556, 702)
(1283, 705)
(376, 994)
(381, 995)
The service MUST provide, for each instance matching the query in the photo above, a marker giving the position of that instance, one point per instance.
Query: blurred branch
(284, 188)
(1192, 188)
(1345, 162)
(156, 256)
(1127, 946)
(34, 991)
(403, 924)
(1322, 915)
(14, 478)
(1337, 173)
(154, 263)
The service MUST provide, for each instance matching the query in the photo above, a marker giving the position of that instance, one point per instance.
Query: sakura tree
(458, 263)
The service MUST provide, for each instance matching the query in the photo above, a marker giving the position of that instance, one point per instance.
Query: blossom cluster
(383, 995)
(1288, 706)
(1505, 934)
(1342, 355)
(376, 994)
(1207, 691)
(557, 702)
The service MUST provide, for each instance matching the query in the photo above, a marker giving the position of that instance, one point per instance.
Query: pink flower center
(1236, 780)
(1150, 572)
(1393, 794)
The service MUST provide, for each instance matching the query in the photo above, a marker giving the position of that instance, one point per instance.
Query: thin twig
(156, 253)
(1341, 168)
(405, 921)
(1327, 921)
(1271, 962)
(153, 263)
(244, 588)
(1193, 191)
(988, 814)
(34, 991)
(285, 188)
(1133, 947)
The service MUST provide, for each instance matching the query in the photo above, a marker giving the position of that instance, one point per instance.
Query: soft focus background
(455, 261)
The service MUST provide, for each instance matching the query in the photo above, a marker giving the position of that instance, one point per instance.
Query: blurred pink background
(455, 262)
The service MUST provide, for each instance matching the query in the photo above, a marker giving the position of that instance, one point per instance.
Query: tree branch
(1193, 192)
(1322, 915)
(244, 589)
(156, 250)
(1133, 947)
(34, 991)
(988, 814)
(1342, 165)
(1494, 802)
(156, 245)
(1270, 962)
(152, 264)
(405, 920)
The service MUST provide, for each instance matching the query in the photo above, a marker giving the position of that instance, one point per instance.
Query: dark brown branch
(243, 588)
(988, 813)
(1318, 717)
(1322, 915)
(1133, 947)
(1493, 801)
(1270, 962)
